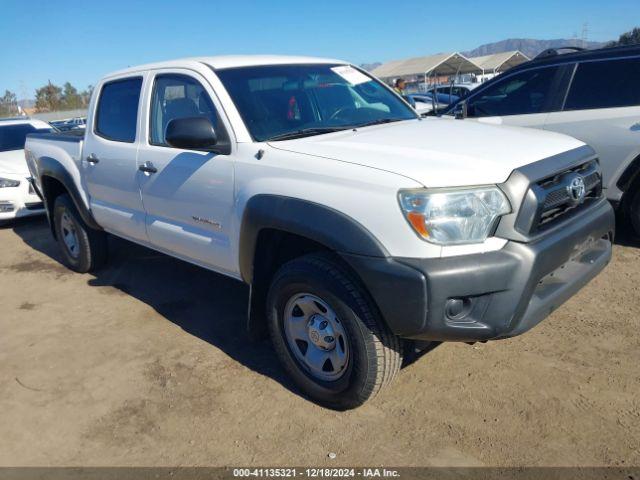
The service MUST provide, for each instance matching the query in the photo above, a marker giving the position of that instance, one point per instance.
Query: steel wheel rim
(316, 337)
(69, 235)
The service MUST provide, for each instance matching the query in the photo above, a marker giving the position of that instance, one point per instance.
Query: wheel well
(51, 189)
(631, 176)
(274, 248)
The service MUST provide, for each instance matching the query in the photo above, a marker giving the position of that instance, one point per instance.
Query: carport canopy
(440, 64)
(499, 62)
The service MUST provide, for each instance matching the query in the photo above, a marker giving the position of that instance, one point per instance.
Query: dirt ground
(147, 363)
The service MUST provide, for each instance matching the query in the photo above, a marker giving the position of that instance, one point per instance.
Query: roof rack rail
(552, 52)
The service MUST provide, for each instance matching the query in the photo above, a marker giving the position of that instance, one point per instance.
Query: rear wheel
(328, 334)
(83, 248)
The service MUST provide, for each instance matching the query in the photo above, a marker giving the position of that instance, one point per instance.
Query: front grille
(556, 200)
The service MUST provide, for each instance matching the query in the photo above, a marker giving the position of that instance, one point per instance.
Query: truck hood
(13, 162)
(437, 152)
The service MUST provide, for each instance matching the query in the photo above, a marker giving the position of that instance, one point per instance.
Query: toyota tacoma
(359, 226)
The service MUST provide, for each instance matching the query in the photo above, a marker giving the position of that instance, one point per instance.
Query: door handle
(147, 167)
(92, 159)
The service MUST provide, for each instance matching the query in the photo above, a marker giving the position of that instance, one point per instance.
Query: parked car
(17, 197)
(592, 95)
(457, 90)
(75, 123)
(359, 226)
(423, 102)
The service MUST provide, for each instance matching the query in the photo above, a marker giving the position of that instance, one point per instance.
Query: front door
(522, 99)
(188, 195)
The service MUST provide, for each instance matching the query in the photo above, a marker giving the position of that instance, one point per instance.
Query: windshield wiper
(305, 132)
(376, 122)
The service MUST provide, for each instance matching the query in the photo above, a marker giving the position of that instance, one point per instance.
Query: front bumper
(489, 295)
(20, 201)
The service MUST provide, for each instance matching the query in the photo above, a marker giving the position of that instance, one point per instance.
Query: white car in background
(459, 90)
(17, 197)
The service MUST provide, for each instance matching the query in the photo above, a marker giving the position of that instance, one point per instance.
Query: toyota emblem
(576, 189)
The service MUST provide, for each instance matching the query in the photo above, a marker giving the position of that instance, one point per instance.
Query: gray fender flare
(52, 168)
(319, 223)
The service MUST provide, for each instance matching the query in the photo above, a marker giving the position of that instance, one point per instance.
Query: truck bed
(71, 142)
(61, 148)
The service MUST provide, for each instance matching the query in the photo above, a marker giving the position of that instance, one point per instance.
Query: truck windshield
(279, 102)
(12, 137)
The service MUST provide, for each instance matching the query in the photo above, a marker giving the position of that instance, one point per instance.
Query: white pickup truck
(358, 225)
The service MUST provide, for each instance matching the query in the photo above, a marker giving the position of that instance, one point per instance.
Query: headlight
(7, 182)
(454, 216)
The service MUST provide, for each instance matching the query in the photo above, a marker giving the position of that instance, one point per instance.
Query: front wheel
(328, 333)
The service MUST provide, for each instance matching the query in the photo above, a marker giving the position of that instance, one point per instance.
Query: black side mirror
(191, 133)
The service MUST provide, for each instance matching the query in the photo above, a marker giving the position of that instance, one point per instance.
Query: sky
(79, 42)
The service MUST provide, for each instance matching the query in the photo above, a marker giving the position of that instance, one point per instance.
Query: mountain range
(529, 46)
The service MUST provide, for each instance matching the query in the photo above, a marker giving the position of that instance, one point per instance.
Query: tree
(86, 95)
(48, 98)
(628, 38)
(71, 99)
(8, 104)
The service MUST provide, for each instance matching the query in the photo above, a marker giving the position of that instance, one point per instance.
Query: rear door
(189, 195)
(524, 98)
(109, 159)
(602, 108)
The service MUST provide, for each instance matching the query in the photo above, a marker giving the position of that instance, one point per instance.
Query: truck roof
(228, 61)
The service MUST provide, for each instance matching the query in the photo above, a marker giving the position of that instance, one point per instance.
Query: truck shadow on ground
(207, 305)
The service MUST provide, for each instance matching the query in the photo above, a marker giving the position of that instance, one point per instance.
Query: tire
(83, 248)
(315, 293)
(633, 212)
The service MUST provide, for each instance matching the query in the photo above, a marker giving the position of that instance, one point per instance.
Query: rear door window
(605, 84)
(526, 92)
(117, 114)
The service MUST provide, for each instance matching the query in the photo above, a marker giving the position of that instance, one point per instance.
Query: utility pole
(585, 34)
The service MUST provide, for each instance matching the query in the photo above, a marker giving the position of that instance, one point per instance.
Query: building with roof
(497, 63)
(442, 65)
(445, 67)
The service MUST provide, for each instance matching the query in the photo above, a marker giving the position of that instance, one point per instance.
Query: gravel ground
(147, 363)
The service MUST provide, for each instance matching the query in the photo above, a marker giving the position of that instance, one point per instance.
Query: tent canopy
(499, 62)
(441, 64)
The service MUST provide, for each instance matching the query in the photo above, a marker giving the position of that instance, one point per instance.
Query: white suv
(17, 197)
(592, 95)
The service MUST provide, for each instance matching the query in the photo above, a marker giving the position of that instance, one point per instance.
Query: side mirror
(460, 110)
(191, 133)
